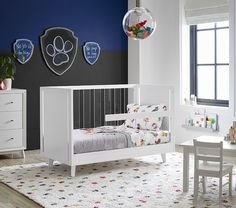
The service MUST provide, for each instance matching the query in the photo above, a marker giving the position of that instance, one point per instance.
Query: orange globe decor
(138, 23)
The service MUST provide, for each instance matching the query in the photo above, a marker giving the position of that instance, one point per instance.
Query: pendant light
(139, 23)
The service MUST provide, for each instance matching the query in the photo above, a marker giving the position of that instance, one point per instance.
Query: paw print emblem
(59, 50)
(59, 47)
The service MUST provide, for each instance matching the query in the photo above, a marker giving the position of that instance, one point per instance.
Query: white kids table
(228, 150)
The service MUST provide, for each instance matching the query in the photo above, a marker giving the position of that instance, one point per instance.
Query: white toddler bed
(61, 141)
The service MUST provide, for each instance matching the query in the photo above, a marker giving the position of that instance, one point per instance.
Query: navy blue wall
(91, 20)
(99, 20)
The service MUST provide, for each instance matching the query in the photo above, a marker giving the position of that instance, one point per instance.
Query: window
(209, 63)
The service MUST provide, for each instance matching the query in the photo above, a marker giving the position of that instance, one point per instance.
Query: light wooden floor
(12, 199)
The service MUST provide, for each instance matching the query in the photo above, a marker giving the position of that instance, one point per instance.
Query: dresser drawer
(11, 102)
(10, 120)
(10, 139)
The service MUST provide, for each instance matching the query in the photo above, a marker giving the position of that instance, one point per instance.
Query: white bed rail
(124, 116)
(151, 95)
(92, 87)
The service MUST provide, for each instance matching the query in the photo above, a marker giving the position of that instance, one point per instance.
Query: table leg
(185, 169)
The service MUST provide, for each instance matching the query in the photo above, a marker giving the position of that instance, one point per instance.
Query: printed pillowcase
(131, 108)
(147, 123)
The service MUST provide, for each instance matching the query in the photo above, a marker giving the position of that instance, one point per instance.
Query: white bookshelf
(199, 128)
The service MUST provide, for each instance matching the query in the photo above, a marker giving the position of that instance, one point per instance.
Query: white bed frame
(56, 123)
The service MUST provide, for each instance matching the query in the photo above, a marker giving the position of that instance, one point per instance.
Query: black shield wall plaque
(59, 48)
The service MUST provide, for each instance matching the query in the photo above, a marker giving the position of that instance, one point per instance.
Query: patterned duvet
(115, 137)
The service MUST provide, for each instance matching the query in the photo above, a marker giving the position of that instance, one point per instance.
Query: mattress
(115, 137)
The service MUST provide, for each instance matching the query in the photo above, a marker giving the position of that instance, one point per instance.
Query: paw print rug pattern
(59, 48)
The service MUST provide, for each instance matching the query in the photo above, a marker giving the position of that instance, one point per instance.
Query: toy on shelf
(211, 121)
(199, 120)
(231, 136)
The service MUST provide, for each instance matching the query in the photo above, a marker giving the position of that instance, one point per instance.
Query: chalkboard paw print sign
(59, 48)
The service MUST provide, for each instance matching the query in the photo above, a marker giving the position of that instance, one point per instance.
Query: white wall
(133, 55)
(160, 63)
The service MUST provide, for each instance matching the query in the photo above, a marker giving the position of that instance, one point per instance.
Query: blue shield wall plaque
(24, 49)
(91, 52)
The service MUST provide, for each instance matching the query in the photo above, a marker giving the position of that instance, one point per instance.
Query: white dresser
(12, 121)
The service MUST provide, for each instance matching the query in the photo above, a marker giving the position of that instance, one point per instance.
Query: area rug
(143, 182)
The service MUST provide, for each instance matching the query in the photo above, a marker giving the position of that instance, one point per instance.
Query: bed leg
(163, 156)
(50, 163)
(72, 171)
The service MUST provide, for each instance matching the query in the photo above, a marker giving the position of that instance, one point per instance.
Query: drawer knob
(11, 102)
(10, 139)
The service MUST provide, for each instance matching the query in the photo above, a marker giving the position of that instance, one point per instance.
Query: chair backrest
(208, 152)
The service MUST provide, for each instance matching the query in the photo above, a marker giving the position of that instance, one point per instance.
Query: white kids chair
(208, 162)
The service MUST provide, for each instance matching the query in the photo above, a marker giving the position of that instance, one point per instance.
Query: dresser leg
(23, 154)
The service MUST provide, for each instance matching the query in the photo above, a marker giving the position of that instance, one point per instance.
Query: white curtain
(204, 11)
